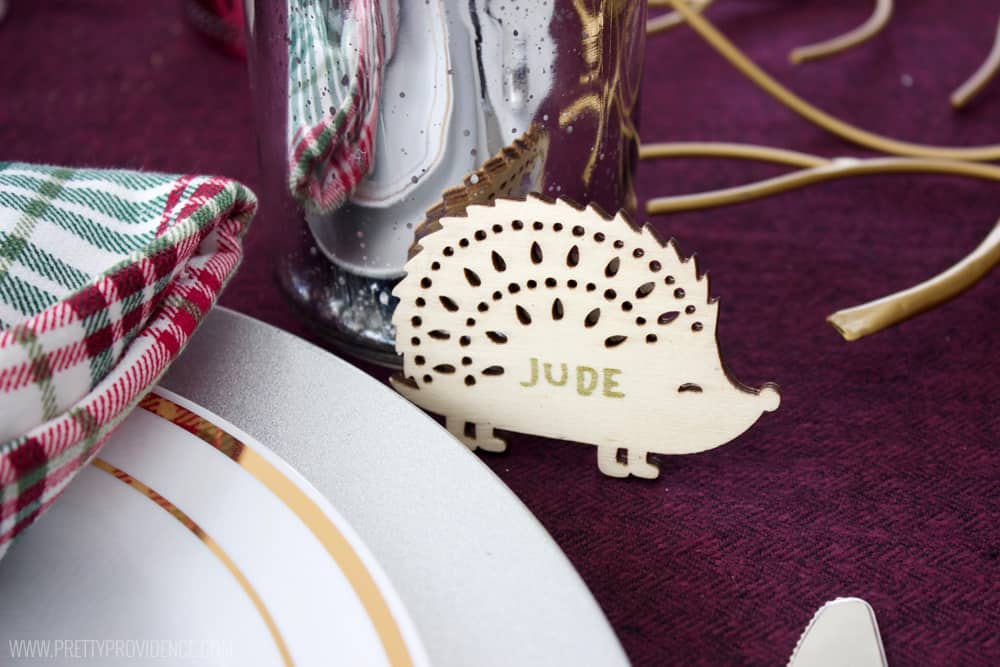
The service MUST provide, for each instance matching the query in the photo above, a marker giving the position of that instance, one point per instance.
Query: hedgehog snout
(770, 397)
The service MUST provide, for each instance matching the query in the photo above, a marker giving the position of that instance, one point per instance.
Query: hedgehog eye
(689, 386)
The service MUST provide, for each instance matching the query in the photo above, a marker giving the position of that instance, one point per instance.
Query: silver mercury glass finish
(477, 99)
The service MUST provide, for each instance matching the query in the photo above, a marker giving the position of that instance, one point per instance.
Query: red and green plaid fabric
(104, 276)
(335, 63)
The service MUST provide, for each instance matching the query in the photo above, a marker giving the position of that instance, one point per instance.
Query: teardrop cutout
(472, 277)
(644, 290)
(536, 253)
(498, 262)
(573, 257)
(614, 341)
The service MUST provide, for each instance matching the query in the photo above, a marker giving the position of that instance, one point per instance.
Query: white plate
(483, 582)
(185, 539)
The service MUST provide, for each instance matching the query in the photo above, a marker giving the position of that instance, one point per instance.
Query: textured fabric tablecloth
(877, 477)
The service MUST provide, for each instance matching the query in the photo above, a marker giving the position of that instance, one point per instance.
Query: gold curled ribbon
(819, 171)
(670, 20)
(814, 114)
(980, 77)
(864, 32)
(859, 321)
(880, 16)
(871, 27)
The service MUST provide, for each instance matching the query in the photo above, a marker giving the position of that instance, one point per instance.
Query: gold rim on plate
(306, 509)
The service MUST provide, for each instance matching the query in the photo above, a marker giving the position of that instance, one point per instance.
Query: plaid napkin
(104, 275)
(335, 62)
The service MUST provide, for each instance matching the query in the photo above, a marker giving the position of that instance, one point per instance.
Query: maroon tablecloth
(878, 476)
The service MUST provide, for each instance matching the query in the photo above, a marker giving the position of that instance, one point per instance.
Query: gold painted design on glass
(605, 30)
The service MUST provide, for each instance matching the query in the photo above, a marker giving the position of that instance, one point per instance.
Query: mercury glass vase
(376, 117)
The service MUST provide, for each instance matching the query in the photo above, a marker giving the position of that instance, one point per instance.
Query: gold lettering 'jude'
(588, 379)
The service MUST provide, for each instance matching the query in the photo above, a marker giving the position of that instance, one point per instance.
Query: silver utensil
(842, 633)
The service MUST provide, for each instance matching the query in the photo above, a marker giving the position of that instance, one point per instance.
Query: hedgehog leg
(457, 426)
(487, 438)
(622, 462)
(608, 462)
(640, 465)
(475, 436)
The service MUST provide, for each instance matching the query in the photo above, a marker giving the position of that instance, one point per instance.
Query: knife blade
(842, 633)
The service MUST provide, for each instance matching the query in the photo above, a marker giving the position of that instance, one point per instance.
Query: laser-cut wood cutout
(540, 317)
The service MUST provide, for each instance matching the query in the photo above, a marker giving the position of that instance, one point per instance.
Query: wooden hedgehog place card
(540, 317)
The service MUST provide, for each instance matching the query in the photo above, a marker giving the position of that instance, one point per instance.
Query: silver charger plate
(482, 580)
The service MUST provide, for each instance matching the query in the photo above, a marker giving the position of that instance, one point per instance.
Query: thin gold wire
(817, 116)
(980, 78)
(879, 18)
